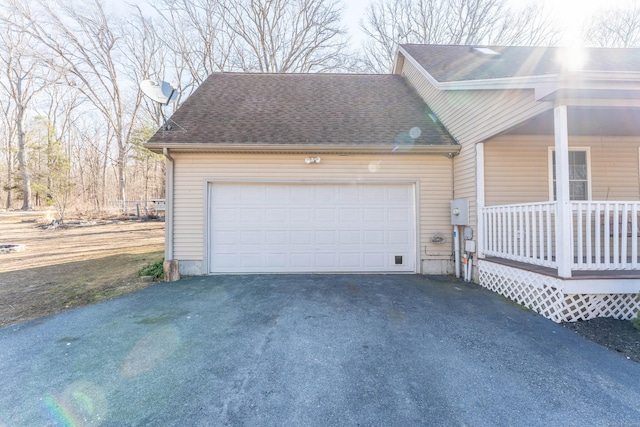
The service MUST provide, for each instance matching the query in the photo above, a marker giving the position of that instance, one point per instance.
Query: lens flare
(81, 404)
(154, 348)
(59, 413)
(375, 166)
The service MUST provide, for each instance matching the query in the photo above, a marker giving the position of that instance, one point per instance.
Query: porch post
(564, 251)
(480, 198)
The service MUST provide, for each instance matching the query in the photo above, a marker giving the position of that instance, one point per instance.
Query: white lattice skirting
(545, 296)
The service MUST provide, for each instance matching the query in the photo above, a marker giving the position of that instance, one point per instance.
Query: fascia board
(302, 149)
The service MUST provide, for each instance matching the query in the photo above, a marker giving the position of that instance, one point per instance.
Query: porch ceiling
(583, 121)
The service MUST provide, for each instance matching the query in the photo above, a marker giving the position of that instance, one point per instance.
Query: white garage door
(278, 228)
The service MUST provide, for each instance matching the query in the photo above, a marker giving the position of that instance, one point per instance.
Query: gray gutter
(306, 149)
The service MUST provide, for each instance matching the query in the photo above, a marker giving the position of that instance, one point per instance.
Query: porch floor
(575, 274)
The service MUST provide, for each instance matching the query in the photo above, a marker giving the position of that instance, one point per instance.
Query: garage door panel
(223, 215)
(300, 215)
(325, 237)
(348, 194)
(226, 260)
(310, 227)
(399, 238)
(276, 192)
(275, 215)
(325, 215)
(251, 237)
(350, 238)
(374, 260)
(398, 194)
(373, 237)
(402, 215)
(251, 260)
(324, 195)
(373, 215)
(325, 260)
(349, 261)
(301, 193)
(301, 261)
(373, 193)
(301, 238)
(276, 260)
(252, 194)
(251, 215)
(276, 238)
(225, 237)
(350, 214)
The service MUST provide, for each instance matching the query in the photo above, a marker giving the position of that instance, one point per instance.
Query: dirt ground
(617, 335)
(78, 263)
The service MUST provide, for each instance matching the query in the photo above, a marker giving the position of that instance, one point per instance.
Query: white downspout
(480, 199)
(168, 220)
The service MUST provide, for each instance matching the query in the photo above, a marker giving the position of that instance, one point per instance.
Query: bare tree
(85, 45)
(194, 40)
(619, 27)
(389, 23)
(21, 83)
(57, 122)
(287, 36)
(7, 134)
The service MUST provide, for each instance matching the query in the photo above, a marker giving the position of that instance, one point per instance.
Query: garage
(311, 227)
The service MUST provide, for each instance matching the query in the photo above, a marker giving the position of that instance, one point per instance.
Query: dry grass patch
(70, 266)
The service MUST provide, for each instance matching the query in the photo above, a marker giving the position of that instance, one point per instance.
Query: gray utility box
(460, 212)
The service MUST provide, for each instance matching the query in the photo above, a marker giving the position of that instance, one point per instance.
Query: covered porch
(564, 258)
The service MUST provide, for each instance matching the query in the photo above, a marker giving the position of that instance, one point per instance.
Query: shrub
(156, 270)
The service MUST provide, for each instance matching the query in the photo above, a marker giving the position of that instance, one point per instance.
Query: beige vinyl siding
(472, 117)
(475, 115)
(193, 170)
(465, 182)
(517, 168)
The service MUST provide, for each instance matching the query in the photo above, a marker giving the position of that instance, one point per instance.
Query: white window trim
(550, 169)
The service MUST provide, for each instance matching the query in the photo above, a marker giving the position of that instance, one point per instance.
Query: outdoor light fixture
(310, 160)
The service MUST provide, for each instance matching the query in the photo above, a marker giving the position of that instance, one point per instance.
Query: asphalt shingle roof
(305, 109)
(447, 63)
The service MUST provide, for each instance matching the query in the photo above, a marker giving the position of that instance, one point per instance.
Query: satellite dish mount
(162, 93)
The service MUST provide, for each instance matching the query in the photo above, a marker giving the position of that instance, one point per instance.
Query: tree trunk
(22, 151)
(122, 173)
(24, 171)
(9, 177)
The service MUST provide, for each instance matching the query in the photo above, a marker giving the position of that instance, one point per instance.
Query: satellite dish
(162, 93)
(159, 91)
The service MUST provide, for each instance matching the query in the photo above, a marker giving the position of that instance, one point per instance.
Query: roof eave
(303, 149)
(525, 82)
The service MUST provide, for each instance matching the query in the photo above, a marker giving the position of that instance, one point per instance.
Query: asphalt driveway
(310, 350)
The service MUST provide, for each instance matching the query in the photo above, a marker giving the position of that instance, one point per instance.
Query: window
(579, 174)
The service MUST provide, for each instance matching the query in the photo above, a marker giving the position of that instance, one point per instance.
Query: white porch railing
(604, 235)
(522, 233)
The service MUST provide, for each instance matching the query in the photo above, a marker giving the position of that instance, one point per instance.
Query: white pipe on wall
(456, 250)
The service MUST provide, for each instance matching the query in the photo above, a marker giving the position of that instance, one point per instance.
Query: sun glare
(572, 58)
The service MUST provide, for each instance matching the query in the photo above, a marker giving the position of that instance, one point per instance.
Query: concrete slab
(310, 350)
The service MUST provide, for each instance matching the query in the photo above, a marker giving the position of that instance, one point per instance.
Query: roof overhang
(544, 84)
(444, 149)
(610, 121)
